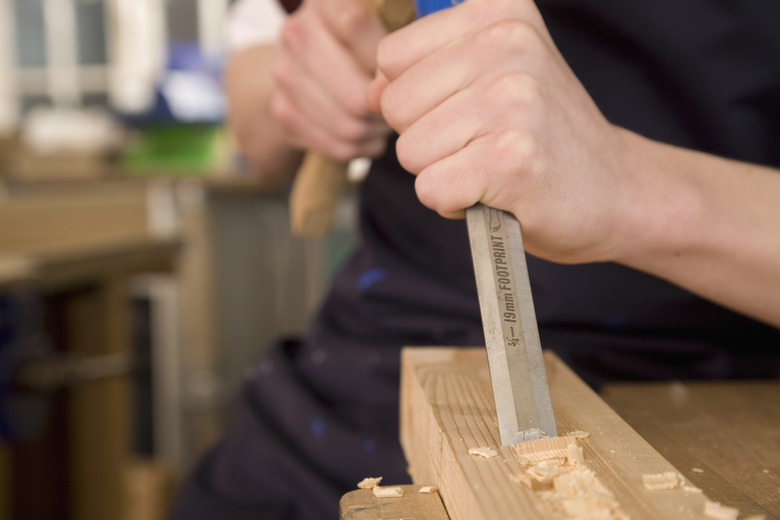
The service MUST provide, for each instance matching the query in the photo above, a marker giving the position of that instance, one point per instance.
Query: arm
(713, 228)
(249, 86)
(502, 120)
(307, 91)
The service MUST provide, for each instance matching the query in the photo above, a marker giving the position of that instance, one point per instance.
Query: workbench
(77, 247)
(723, 438)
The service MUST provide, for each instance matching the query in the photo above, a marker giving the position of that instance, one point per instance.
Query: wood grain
(724, 437)
(447, 408)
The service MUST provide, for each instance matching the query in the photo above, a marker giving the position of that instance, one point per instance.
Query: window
(78, 52)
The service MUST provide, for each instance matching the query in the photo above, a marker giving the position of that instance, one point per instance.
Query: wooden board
(79, 215)
(361, 504)
(724, 437)
(447, 408)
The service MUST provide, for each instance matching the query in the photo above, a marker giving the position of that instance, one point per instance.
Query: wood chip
(662, 481)
(720, 512)
(697, 470)
(574, 456)
(543, 449)
(388, 492)
(369, 482)
(485, 453)
(578, 434)
(427, 490)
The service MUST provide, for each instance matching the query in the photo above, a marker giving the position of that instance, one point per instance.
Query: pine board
(447, 408)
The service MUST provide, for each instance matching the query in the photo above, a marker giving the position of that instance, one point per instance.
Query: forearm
(249, 85)
(708, 224)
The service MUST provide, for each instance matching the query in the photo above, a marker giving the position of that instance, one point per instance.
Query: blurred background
(143, 268)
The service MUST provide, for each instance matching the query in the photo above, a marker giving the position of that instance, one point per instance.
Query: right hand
(321, 75)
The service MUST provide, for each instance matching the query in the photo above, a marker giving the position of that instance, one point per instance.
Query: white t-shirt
(254, 22)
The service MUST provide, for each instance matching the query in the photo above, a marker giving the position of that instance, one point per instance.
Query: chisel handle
(320, 180)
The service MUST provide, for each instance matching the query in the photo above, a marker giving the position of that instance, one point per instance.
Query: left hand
(488, 111)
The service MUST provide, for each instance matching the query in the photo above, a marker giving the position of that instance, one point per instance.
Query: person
(634, 141)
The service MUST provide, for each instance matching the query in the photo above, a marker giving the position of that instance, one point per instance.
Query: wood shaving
(369, 482)
(578, 434)
(485, 453)
(719, 511)
(555, 471)
(692, 489)
(574, 456)
(663, 481)
(697, 470)
(543, 449)
(388, 492)
(427, 490)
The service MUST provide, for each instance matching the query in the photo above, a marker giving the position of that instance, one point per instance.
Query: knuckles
(513, 33)
(519, 91)
(351, 18)
(293, 34)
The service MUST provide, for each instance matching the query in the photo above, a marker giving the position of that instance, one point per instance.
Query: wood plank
(724, 437)
(80, 214)
(447, 408)
(361, 504)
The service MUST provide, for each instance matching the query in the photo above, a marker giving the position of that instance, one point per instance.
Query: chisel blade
(514, 351)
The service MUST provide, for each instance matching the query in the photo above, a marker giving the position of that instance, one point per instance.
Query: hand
(321, 76)
(488, 111)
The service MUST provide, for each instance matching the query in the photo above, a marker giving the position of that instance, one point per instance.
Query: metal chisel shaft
(512, 340)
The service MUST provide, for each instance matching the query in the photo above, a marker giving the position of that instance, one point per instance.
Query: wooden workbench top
(724, 437)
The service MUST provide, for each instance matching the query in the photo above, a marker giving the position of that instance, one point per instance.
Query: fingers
(453, 183)
(320, 82)
(407, 46)
(367, 139)
(356, 25)
(326, 61)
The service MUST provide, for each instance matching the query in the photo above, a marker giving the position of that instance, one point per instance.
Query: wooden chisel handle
(318, 184)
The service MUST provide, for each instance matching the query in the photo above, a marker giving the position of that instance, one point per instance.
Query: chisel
(514, 350)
